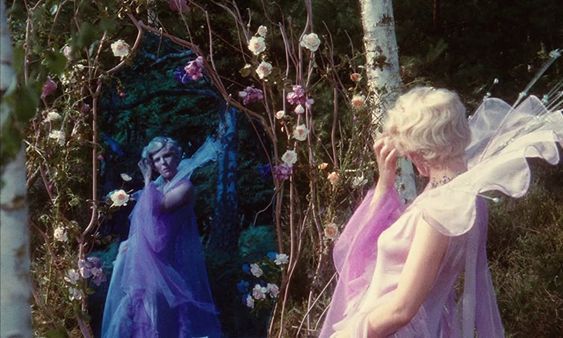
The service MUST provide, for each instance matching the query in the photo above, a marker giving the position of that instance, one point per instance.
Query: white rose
(331, 231)
(333, 178)
(257, 45)
(75, 294)
(125, 177)
(120, 48)
(262, 31)
(300, 132)
(264, 69)
(58, 135)
(280, 114)
(259, 292)
(67, 52)
(60, 234)
(289, 157)
(358, 101)
(255, 270)
(119, 198)
(273, 289)
(72, 276)
(250, 301)
(299, 109)
(359, 181)
(52, 116)
(310, 41)
(281, 259)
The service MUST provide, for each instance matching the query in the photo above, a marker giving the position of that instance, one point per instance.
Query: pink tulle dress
(371, 252)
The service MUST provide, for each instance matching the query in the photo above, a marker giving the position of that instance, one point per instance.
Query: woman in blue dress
(159, 286)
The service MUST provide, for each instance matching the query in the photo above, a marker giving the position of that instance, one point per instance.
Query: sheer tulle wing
(495, 125)
(501, 165)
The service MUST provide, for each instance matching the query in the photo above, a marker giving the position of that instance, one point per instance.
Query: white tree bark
(15, 285)
(383, 73)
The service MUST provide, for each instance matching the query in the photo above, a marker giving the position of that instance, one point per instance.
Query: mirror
(154, 96)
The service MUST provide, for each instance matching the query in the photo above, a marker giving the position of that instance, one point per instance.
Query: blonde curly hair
(430, 122)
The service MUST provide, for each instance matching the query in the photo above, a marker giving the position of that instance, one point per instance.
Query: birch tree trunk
(15, 285)
(383, 74)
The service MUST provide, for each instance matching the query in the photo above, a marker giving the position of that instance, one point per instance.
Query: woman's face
(165, 162)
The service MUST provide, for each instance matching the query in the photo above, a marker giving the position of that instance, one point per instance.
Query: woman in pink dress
(398, 265)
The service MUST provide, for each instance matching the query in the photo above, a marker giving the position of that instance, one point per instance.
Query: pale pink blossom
(359, 181)
(120, 48)
(273, 290)
(49, 87)
(262, 31)
(72, 276)
(355, 77)
(257, 45)
(259, 292)
(125, 177)
(358, 101)
(333, 178)
(331, 231)
(280, 114)
(255, 270)
(299, 109)
(194, 68)
(323, 166)
(264, 69)
(300, 132)
(52, 116)
(58, 135)
(75, 294)
(119, 198)
(249, 301)
(310, 41)
(289, 157)
(60, 234)
(281, 259)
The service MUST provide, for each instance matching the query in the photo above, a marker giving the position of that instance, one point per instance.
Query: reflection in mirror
(220, 181)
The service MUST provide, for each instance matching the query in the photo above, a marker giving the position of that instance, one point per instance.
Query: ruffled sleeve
(355, 252)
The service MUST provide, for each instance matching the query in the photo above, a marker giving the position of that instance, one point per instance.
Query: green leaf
(245, 71)
(11, 140)
(85, 36)
(18, 58)
(55, 62)
(23, 101)
(56, 333)
(107, 24)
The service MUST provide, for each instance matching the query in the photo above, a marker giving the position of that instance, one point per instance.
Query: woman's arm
(416, 281)
(178, 196)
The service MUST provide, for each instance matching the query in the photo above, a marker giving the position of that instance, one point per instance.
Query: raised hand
(146, 170)
(386, 156)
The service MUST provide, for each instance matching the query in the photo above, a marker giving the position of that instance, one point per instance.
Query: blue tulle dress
(159, 286)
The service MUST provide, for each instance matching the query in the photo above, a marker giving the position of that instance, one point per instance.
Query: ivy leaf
(55, 62)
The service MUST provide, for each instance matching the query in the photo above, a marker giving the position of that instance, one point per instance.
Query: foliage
(459, 49)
